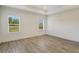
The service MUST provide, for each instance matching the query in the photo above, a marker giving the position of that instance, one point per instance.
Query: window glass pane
(13, 23)
(40, 24)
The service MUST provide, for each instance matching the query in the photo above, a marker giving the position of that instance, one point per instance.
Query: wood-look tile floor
(40, 44)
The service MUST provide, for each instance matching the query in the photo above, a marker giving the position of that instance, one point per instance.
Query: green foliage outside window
(41, 26)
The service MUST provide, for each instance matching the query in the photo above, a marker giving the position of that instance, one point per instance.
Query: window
(41, 23)
(13, 23)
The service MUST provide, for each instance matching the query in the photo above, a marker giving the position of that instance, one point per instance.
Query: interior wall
(0, 23)
(64, 25)
(28, 26)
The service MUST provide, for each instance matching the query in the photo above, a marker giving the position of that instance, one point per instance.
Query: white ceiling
(44, 9)
(48, 8)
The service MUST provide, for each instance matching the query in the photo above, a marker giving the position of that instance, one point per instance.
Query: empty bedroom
(39, 29)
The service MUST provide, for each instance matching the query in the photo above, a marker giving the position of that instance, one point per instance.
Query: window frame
(18, 24)
(42, 22)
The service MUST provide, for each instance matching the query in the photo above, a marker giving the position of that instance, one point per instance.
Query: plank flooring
(40, 44)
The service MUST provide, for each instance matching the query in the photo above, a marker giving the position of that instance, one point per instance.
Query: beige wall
(29, 24)
(0, 24)
(65, 25)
